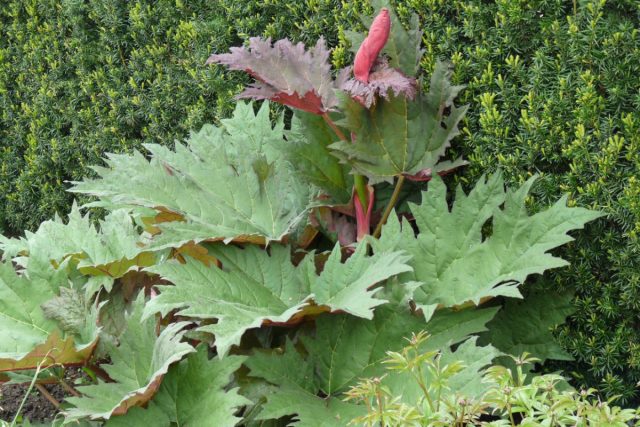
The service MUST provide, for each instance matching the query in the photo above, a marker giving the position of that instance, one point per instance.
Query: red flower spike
(372, 45)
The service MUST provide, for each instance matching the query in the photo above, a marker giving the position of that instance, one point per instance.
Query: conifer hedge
(553, 87)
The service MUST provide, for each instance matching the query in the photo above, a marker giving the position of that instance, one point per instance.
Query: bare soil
(36, 408)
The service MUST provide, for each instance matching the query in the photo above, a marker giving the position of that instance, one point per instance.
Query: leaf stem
(68, 388)
(389, 207)
(420, 380)
(380, 406)
(98, 372)
(44, 392)
(333, 127)
(360, 182)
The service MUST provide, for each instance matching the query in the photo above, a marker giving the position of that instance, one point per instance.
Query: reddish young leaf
(382, 80)
(372, 45)
(335, 223)
(285, 72)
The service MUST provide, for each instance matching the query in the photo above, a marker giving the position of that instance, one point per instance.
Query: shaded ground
(37, 408)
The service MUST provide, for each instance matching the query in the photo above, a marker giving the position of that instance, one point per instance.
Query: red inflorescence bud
(372, 45)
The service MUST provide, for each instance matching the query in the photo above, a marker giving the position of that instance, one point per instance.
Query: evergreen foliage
(78, 79)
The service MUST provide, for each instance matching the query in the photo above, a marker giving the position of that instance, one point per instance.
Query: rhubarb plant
(260, 269)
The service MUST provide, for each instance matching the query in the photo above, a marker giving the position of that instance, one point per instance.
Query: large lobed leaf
(255, 287)
(343, 350)
(28, 337)
(228, 183)
(110, 250)
(542, 310)
(137, 366)
(285, 72)
(193, 393)
(398, 136)
(457, 264)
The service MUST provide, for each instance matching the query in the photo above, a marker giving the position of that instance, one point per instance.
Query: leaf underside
(383, 81)
(137, 366)
(226, 184)
(27, 337)
(286, 73)
(193, 393)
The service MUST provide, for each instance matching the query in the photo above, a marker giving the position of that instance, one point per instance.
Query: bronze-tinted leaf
(286, 73)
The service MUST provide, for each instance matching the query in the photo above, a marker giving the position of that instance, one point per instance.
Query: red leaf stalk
(372, 45)
(363, 219)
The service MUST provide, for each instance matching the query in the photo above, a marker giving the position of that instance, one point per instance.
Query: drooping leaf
(343, 350)
(525, 326)
(110, 250)
(307, 151)
(452, 259)
(193, 393)
(286, 73)
(113, 315)
(397, 136)
(137, 366)
(255, 288)
(403, 45)
(73, 313)
(227, 183)
(27, 337)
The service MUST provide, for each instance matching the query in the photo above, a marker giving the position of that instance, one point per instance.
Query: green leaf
(193, 393)
(307, 151)
(27, 337)
(310, 410)
(227, 183)
(73, 314)
(397, 136)
(111, 250)
(255, 287)
(343, 350)
(525, 326)
(467, 382)
(137, 366)
(457, 264)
